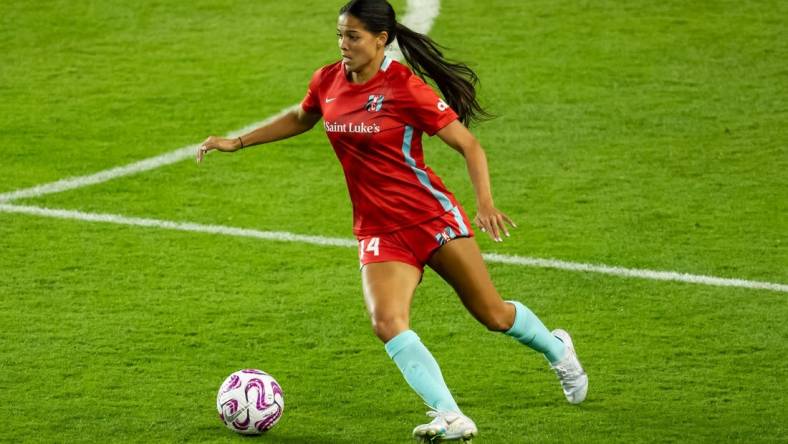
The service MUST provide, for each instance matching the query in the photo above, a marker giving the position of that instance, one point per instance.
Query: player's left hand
(493, 222)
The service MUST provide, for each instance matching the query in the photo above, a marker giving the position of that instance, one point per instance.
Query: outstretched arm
(289, 123)
(488, 218)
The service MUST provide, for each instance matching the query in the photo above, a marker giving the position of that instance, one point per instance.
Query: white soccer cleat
(446, 426)
(573, 378)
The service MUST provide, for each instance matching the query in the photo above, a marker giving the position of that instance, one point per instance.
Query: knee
(497, 324)
(387, 328)
(499, 319)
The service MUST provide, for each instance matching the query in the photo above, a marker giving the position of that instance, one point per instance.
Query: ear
(380, 40)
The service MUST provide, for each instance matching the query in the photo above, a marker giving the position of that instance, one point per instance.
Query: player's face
(358, 46)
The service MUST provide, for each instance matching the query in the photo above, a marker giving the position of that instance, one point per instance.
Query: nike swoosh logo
(330, 100)
(233, 416)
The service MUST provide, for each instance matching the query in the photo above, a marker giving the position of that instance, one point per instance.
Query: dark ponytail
(456, 80)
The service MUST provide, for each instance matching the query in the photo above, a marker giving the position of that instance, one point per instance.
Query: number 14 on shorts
(373, 246)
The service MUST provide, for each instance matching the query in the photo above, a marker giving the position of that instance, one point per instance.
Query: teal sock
(421, 371)
(529, 330)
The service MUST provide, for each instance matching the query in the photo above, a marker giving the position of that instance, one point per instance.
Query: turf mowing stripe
(284, 236)
(419, 16)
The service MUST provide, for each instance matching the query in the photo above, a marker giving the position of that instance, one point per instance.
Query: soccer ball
(250, 402)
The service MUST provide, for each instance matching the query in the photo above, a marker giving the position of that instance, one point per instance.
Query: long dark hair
(456, 80)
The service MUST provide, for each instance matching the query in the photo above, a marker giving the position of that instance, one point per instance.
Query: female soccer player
(374, 112)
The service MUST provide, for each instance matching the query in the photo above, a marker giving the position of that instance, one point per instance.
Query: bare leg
(460, 263)
(388, 291)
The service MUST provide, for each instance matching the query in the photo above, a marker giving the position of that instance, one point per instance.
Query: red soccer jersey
(375, 129)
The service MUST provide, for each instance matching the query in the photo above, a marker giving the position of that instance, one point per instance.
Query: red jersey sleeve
(311, 102)
(423, 109)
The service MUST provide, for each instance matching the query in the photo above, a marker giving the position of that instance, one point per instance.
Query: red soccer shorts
(415, 245)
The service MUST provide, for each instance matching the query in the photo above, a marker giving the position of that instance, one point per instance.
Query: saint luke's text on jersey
(350, 127)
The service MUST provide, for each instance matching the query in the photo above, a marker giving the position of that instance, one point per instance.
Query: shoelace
(438, 420)
(570, 371)
(438, 415)
(442, 416)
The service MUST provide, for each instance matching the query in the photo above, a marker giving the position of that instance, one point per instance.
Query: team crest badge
(374, 103)
(445, 236)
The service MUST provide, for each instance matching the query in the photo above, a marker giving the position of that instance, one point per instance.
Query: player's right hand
(216, 143)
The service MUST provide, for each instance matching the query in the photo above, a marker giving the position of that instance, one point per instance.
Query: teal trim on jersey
(421, 371)
(421, 174)
(380, 104)
(425, 180)
(386, 63)
(530, 331)
(460, 223)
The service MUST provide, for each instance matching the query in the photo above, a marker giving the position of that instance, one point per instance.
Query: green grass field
(637, 134)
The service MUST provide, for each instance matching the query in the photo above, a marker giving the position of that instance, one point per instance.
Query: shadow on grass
(303, 440)
(274, 438)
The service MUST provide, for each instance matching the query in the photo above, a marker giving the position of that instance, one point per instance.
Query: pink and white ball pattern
(250, 402)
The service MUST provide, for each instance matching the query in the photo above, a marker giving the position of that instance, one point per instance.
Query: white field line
(420, 16)
(283, 236)
(634, 272)
(179, 226)
(148, 164)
